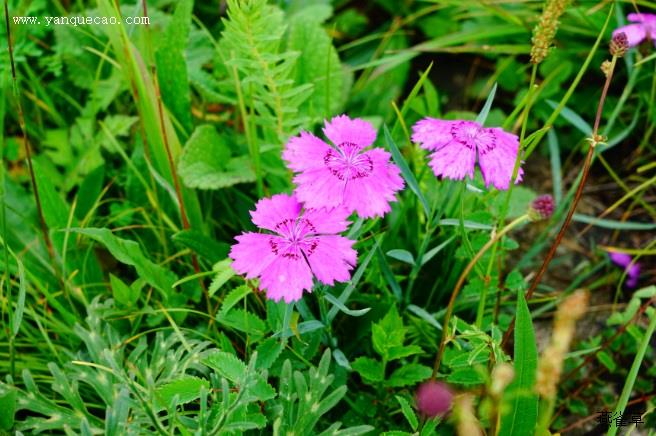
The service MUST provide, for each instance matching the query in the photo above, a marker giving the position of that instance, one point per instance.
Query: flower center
(296, 239)
(348, 163)
(466, 133)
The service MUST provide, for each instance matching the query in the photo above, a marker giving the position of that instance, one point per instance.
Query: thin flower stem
(593, 141)
(26, 142)
(461, 281)
(506, 204)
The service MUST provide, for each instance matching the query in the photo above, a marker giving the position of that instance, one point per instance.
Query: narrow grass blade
(405, 170)
(482, 116)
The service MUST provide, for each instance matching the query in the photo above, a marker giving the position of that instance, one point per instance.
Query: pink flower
(303, 244)
(624, 261)
(345, 174)
(644, 27)
(457, 144)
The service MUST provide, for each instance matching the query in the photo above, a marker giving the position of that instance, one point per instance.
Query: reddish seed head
(542, 207)
(434, 398)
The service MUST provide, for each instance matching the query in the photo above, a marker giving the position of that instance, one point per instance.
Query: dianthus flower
(624, 261)
(345, 174)
(644, 26)
(304, 243)
(456, 145)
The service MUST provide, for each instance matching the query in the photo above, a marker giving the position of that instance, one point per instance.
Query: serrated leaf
(268, 352)
(409, 374)
(467, 376)
(407, 411)
(395, 353)
(227, 365)
(369, 369)
(234, 297)
(187, 389)
(388, 333)
(522, 414)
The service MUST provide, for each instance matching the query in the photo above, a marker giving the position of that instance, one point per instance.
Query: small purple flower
(433, 398)
(456, 145)
(643, 27)
(302, 244)
(624, 261)
(345, 174)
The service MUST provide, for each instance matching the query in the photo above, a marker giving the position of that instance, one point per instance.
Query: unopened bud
(605, 67)
(434, 398)
(541, 208)
(619, 44)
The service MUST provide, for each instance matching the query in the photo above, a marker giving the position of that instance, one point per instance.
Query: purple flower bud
(619, 44)
(624, 261)
(541, 208)
(434, 398)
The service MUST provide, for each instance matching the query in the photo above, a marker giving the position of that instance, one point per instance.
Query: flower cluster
(643, 27)
(303, 240)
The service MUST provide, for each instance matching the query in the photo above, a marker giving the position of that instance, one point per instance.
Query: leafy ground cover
(328, 217)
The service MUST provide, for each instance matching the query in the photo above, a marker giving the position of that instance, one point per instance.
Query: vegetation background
(121, 314)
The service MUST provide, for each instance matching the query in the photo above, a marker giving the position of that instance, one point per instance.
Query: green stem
(461, 281)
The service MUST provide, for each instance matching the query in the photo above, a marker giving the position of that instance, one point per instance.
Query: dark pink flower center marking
(347, 163)
(296, 240)
(473, 136)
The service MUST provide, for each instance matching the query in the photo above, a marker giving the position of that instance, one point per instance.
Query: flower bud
(541, 208)
(619, 44)
(434, 398)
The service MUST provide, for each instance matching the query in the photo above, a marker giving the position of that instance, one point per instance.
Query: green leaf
(402, 255)
(204, 246)
(408, 412)
(467, 376)
(405, 170)
(335, 302)
(369, 369)
(409, 374)
(227, 365)
(123, 294)
(522, 415)
(395, 353)
(7, 409)
(482, 116)
(318, 62)
(129, 253)
(224, 272)
(268, 352)
(187, 389)
(607, 361)
(388, 333)
(234, 297)
(206, 163)
(244, 321)
(172, 65)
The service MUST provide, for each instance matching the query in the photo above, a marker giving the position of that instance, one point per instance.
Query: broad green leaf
(408, 412)
(395, 353)
(129, 253)
(467, 376)
(409, 374)
(206, 163)
(369, 369)
(187, 388)
(268, 352)
(388, 332)
(522, 415)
